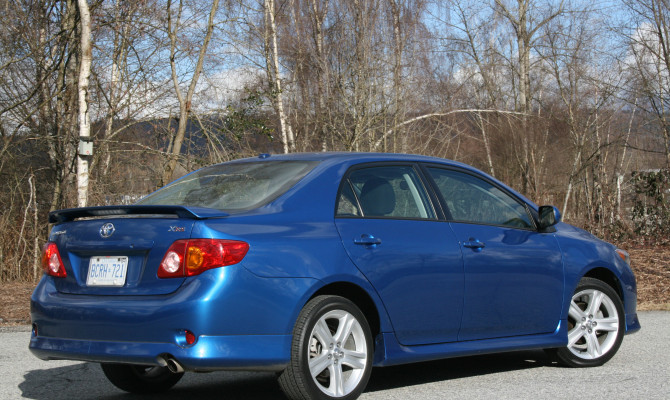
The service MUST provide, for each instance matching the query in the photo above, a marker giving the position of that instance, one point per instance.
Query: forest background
(104, 101)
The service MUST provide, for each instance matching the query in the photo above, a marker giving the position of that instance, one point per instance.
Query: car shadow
(455, 368)
(86, 380)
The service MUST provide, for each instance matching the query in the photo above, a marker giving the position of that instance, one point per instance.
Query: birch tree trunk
(273, 73)
(83, 83)
(487, 147)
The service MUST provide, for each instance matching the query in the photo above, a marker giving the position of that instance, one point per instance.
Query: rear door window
(384, 192)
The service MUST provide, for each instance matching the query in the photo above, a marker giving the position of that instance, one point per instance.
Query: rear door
(513, 274)
(391, 232)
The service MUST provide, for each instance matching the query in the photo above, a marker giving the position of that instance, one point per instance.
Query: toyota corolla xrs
(319, 267)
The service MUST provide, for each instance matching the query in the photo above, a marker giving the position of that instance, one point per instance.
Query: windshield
(233, 186)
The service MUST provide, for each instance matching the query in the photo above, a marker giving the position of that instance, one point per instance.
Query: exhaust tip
(174, 366)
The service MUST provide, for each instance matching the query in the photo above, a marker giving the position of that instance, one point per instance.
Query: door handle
(368, 240)
(474, 244)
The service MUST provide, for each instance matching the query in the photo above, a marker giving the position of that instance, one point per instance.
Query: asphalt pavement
(639, 370)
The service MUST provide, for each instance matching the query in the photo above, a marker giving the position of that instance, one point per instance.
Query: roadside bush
(651, 202)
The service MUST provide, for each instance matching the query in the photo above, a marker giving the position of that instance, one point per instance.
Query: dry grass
(15, 303)
(651, 264)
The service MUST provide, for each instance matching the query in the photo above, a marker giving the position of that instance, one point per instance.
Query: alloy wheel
(594, 324)
(337, 353)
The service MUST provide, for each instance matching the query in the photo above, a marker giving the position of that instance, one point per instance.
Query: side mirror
(549, 216)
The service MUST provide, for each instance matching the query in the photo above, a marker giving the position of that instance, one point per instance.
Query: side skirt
(388, 351)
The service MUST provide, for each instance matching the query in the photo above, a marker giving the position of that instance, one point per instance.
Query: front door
(513, 274)
(390, 231)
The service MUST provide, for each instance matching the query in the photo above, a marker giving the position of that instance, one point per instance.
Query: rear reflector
(190, 337)
(191, 257)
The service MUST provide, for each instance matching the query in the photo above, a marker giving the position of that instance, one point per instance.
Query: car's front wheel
(140, 379)
(331, 354)
(596, 324)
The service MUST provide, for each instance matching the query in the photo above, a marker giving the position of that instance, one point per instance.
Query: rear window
(233, 186)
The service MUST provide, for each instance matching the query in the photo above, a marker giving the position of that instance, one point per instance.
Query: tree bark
(274, 77)
(318, 17)
(487, 147)
(398, 49)
(83, 89)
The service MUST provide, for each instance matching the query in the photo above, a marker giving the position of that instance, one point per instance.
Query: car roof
(338, 157)
(330, 159)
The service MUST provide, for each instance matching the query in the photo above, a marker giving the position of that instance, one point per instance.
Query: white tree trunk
(274, 75)
(84, 118)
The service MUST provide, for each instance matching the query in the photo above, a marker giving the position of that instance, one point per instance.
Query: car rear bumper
(252, 352)
(235, 327)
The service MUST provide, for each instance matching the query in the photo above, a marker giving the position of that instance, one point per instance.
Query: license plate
(107, 271)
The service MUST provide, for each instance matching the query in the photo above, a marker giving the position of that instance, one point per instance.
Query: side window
(470, 199)
(347, 205)
(384, 192)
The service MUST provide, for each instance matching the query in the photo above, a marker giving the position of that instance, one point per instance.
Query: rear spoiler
(71, 214)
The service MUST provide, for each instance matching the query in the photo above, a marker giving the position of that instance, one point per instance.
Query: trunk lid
(103, 238)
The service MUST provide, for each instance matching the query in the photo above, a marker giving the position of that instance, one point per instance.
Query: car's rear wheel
(331, 354)
(140, 379)
(596, 324)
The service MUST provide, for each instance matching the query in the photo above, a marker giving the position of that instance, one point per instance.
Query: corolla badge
(107, 230)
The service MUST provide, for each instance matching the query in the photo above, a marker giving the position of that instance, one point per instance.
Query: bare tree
(318, 12)
(649, 44)
(174, 25)
(586, 95)
(526, 18)
(36, 156)
(472, 37)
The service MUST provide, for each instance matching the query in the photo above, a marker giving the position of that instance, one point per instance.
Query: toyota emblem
(107, 230)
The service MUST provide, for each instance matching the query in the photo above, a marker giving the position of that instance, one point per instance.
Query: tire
(596, 325)
(331, 353)
(140, 379)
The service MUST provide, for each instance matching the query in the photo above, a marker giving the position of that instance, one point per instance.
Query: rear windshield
(233, 186)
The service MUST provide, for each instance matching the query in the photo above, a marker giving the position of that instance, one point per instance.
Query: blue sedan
(319, 267)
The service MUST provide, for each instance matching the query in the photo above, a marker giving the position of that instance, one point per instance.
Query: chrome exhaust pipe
(174, 366)
(166, 360)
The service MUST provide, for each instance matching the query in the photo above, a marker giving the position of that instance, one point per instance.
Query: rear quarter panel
(295, 237)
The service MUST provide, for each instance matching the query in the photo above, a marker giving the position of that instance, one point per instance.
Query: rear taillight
(194, 256)
(52, 264)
